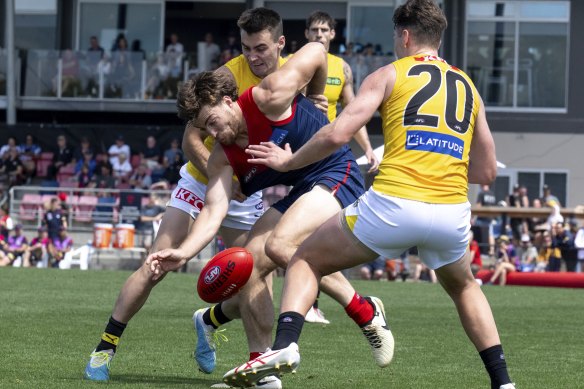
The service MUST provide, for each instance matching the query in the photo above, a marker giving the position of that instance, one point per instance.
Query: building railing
(85, 76)
(83, 207)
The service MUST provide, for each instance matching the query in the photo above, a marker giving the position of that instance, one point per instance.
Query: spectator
(561, 241)
(84, 147)
(4, 261)
(88, 161)
(548, 198)
(423, 272)
(37, 252)
(59, 246)
(535, 223)
(373, 270)
(95, 54)
(122, 71)
(212, 53)
(518, 199)
(84, 176)
(6, 222)
(62, 157)
(29, 153)
(486, 198)
(118, 147)
(505, 262)
(54, 218)
(141, 178)
(547, 253)
(16, 244)
(121, 168)
(104, 179)
(174, 54)
(70, 83)
(150, 217)
(156, 86)
(169, 154)
(475, 253)
(172, 172)
(579, 246)
(10, 145)
(151, 153)
(11, 169)
(231, 50)
(527, 255)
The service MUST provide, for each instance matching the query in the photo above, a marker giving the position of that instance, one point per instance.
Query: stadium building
(519, 53)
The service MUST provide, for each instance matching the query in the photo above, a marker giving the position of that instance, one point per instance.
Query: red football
(225, 274)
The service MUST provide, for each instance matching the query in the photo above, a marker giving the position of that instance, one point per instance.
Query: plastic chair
(29, 206)
(84, 208)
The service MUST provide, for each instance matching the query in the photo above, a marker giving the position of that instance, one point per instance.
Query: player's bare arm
(375, 89)
(482, 167)
(307, 68)
(207, 222)
(361, 137)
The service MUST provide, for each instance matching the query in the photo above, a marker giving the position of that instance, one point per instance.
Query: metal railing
(82, 207)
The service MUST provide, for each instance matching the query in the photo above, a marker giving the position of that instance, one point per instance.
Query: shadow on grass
(155, 380)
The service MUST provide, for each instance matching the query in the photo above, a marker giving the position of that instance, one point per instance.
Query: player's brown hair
(321, 16)
(205, 89)
(259, 19)
(423, 18)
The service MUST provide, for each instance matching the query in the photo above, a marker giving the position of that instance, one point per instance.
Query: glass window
(516, 52)
(136, 21)
(369, 25)
(490, 55)
(35, 24)
(558, 185)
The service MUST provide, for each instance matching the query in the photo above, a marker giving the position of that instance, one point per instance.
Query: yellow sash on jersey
(428, 123)
(334, 84)
(244, 79)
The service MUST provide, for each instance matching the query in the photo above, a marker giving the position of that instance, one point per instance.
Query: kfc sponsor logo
(190, 197)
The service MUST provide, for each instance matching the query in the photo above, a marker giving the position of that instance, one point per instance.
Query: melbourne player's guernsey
(296, 130)
(428, 123)
(244, 79)
(335, 82)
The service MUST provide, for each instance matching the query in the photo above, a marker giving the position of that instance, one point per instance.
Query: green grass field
(51, 320)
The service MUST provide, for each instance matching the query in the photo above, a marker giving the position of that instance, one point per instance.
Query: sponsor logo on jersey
(189, 197)
(278, 136)
(333, 81)
(435, 142)
(212, 275)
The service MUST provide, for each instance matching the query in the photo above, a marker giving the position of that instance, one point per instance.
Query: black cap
(120, 137)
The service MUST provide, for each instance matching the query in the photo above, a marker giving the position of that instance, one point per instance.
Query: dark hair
(321, 16)
(259, 19)
(206, 88)
(423, 18)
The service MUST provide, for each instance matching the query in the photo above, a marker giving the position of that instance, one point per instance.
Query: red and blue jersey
(337, 171)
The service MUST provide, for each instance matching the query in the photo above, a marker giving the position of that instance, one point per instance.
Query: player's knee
(276, 249)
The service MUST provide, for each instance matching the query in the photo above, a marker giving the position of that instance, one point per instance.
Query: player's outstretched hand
(166, 260)
(270, 155)
(373, 161)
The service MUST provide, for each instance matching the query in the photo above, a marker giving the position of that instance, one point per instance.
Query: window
(35, 24)
(516, 53)
(138, 21)
(533, 180)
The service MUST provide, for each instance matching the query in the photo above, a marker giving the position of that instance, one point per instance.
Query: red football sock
(360, 310)
(254, 355)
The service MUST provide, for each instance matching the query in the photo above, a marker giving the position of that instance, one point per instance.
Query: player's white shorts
(189, 197)
(390, 225)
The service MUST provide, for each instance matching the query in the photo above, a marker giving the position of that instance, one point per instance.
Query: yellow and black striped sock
(111, 336)
(215, 317)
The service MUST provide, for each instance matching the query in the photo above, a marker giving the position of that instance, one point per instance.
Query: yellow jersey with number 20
(428, 123)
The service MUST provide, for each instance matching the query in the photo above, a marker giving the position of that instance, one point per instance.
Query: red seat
(65, 173)
(29, 206)
(84, 208)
